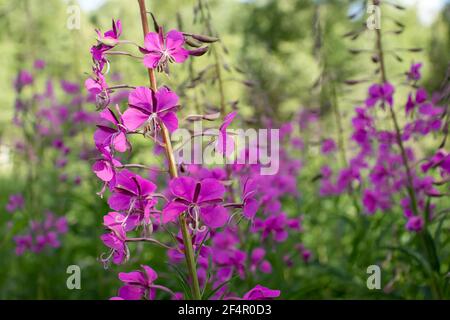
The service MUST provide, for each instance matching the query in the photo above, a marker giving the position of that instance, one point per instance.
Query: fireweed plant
(212, 215)
(51, 139)
(385, 172)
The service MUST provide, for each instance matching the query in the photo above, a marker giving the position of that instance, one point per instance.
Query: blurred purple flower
(261, 293)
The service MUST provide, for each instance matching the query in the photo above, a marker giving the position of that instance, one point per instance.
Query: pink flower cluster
(207, 199)
(49, 127)
(379, 165)
(42, 234)
(15, 203)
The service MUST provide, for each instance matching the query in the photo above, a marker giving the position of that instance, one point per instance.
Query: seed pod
(204, 39)
(399, 59)
(248, 83)
(234, 104)
(225, 49)
(143, 50)
(399, 24)
(354, 51)
(239, 70)
(198, 52)
(351, 82)
(193, 43)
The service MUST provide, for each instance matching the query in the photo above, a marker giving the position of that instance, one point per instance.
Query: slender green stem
(187, 240)
(190, 259)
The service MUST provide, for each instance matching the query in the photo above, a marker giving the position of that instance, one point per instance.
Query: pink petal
(131, 292)
(120, 142)
(172, 211)
(141, 97)
(151, 60)
(225, 144)
(174, 39)
(102, 136)
(151, 274)
(180, 55)
(147, 187)
(125, 181)
(108, 115)
(227, 120)
(183, 187)
(119, 202)
(133, 118)
(214, 216)
(211, 189)
(92, 86)
(134, 276)
(170, 120)
(103, 170)
(152, 43)
(251, 206)
(165, 99)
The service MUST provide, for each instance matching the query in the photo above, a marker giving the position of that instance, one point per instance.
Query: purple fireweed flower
(23, 243)
(139, 284)
(261, 293)
(70, 87)
(106, 41)
(147, 107)
(440, 159)
(306, 255)
(96, 85)
(370, 201)
(15, 203)
(275, 225)
(116, 219)
(229, 262)
(131, 191)
(42, 234)
(225, 142)
(415, 224)
(39, 64)
(421, 95)
(111, 37)
(116, 241)
(428, 109)
(414, 72)
(250, 204)
(380, 92)
(200, 199)
(307, 117)
(328, 146)
(105, 168)
(160, 50)
(298, 143)
(257, 261)
(410, 104)
(24, 78)
(115, 138)
(346, 177)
